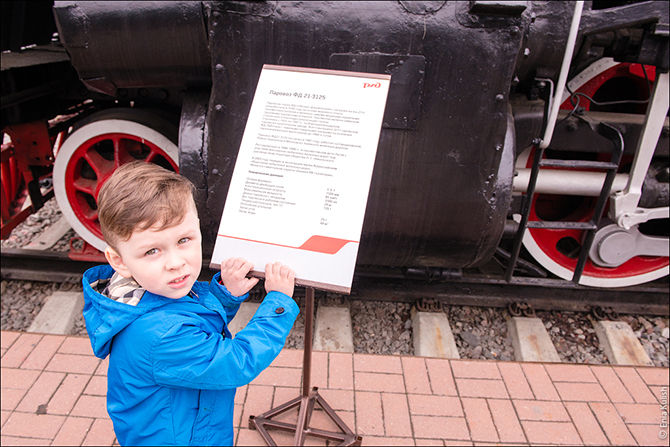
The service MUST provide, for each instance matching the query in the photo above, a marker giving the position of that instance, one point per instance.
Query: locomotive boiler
(534, 133)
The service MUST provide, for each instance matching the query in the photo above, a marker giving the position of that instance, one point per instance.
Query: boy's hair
(139, 195)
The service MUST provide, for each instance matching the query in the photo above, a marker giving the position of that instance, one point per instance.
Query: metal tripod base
(306, 404)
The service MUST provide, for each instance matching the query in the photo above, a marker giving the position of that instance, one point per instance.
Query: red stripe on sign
(319, 244)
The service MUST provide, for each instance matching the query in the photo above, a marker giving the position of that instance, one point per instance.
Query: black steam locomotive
(534, 133)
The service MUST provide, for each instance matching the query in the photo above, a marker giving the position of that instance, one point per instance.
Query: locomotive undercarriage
(455, 159)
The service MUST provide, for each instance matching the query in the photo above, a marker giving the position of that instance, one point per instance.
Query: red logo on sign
(375, 85)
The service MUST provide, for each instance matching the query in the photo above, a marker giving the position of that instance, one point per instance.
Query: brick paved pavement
(53, 393)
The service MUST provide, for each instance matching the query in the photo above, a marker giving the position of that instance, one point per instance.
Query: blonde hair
(139, 195)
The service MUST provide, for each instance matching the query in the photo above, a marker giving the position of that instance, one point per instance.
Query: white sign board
(302, 175)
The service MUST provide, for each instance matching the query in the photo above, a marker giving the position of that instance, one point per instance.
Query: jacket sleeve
(230, 302)
(185, 356)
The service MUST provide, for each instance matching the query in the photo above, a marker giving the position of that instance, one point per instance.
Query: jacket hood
(105, 317)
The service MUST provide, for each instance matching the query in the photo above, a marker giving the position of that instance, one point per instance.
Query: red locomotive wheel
(557, 250)
(90, 154)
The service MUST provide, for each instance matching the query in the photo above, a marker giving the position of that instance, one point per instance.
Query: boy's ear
(116, 262)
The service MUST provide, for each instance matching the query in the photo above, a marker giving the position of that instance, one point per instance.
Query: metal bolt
(498, 146)
(571, 126)
(143, 92)
(526, 52)
(499, 97)
(219, 67)
(215, 171)
(163, 94)
(218, 107)
(665, 132)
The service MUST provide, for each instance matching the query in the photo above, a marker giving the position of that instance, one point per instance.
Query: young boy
(173, 365)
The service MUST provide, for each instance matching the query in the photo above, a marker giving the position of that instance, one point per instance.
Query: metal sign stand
(305, 402)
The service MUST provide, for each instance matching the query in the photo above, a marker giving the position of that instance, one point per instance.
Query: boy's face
(165, 262)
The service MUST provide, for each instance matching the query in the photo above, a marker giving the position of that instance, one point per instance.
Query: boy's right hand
(279, 278)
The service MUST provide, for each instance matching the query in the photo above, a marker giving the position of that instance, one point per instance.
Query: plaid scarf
(120, 289)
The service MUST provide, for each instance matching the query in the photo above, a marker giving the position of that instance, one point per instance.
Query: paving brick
(612, 424)
(506, 421)
(391, 383)
(440, 427)
(586, 423)
(654, 376)
(340, 371)
(338, 399)
(536, 410)
(289, 358)
(2, 351)
(91, 406)
(479, 420)
(241, 394)
(540, 382)
(10, 398)
(369, 416)
(69, 363)
(20, 350)
(41, 391)
(319, 376)
(416, 375)
(97, 386)
(288, 377)
(68, 393)
(73, 431)
(377, 363)
(76, 345)
(515, 380)
(615, 389)
(570, 373)
(17, 379)
(247, 437)
(648, 435)
(396, 415)
(441, 379)
(43, 426)
(539, 432)
(455, 443)
(494, 389)
(377, 440)
(581, 392)
(639, 413)
(7, 338)
(258, 401)
(635, 385)
(435, 405)
(4, 415)
(283, 395)
(321, 420)
(12, 440)
(41, 355)
(661, 393)
(102, 368)
(237, 415)
(475, 370)
(101, 433)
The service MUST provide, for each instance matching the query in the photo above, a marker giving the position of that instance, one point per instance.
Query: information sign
(302, 176)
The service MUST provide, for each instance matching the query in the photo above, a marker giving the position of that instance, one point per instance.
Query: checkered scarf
(120, 289)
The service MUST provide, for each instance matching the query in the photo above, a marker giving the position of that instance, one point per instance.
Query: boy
(174, 366)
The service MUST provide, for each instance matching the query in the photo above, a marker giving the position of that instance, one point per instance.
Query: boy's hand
(279, 278)
(234, 276)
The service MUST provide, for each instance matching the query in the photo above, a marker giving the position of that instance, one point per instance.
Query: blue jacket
(174, 366)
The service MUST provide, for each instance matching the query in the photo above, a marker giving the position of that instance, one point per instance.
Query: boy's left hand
(234, 276)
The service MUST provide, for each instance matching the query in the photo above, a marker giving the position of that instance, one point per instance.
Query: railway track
(471, 289)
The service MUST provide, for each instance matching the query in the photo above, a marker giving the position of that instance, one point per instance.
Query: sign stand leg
(305, 402)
